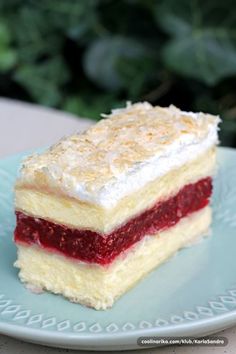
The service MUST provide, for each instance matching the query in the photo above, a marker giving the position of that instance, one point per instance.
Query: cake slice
(97, 211)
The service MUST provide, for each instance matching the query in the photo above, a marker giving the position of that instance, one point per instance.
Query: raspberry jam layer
(90, 246)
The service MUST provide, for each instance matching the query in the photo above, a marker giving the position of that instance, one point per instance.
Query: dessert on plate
(99, 210)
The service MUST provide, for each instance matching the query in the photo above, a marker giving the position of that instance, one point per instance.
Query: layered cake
(97, 211)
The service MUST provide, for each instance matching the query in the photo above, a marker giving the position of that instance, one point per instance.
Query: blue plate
(194, 293)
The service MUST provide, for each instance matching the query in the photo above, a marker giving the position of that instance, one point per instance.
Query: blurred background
(89, 56)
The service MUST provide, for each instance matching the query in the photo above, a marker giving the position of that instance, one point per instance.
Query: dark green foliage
(88, 56)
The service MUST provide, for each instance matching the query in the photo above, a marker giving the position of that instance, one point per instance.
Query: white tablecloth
(23, 127)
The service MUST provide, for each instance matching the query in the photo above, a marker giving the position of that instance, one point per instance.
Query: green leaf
(8, 58)
(4, 34)
(43, 81)
(73, 18)
(142, 72)
(102, 57)
(37, 36)
(91, 106)
(174, 20)
(203, 38)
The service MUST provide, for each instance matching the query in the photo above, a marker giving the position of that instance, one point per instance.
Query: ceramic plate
(194, 293)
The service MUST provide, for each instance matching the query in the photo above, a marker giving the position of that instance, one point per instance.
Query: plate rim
(129, 339)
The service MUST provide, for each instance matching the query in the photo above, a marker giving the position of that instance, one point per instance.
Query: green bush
(88, 56)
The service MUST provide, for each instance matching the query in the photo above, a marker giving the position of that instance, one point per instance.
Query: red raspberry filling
(90, 246)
